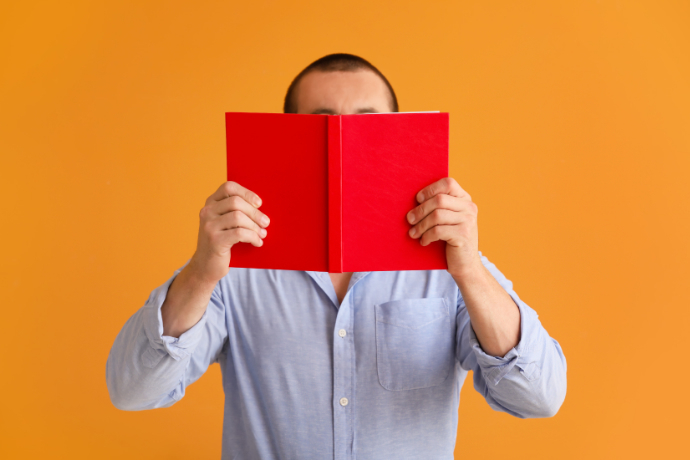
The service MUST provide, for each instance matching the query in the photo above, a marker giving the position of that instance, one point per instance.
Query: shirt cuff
(494, 368)
(177, 347)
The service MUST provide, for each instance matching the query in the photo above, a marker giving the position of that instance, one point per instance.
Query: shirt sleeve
(146, 369)
(530, 380)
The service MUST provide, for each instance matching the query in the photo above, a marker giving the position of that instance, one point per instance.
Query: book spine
(335, 194)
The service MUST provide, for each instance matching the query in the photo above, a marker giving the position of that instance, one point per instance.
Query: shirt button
(342, 333)
(343, 401)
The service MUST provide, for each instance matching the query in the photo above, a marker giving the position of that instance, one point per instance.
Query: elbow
(119, 397)
(122, 400)
(122, 403)
(132, 398)
(553, 389)
(548, 409)
(138, 392)
(553, 396)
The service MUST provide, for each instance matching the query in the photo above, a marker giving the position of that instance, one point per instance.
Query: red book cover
(338, 188)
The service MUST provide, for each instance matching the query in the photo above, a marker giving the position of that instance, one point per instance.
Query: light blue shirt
(306, 377)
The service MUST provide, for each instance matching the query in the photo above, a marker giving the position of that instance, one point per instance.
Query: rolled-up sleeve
(530, 380)
(146, 369)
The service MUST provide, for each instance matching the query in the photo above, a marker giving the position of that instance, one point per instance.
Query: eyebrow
(324, 111)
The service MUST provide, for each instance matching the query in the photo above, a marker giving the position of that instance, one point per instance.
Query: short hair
(333, 63)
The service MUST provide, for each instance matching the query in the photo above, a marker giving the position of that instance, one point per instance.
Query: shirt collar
(324, 282)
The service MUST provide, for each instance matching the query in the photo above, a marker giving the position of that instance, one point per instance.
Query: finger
(240, 235)
(437, 217)
(440, 201)
(237, 203)
(447, 185)
(231, 188)
(238, 219)
(437, 233)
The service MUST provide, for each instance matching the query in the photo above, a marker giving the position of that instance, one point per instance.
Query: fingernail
(264, 221)
(410, 218)
(420, 197)
(257, 201)
(261, 242)
(262, 233)
(413, 232)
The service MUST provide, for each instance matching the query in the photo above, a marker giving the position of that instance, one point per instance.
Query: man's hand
(231, 215)
(447, 213)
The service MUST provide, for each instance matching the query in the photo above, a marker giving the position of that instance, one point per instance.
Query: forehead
(342, 92)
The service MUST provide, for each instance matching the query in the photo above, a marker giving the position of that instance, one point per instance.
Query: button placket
(343, 359)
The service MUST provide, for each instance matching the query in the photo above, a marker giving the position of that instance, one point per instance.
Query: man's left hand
(446, 212)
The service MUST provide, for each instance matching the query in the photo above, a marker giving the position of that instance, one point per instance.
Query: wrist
(194, 274)
(470, 273)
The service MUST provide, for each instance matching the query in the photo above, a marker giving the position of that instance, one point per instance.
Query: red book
(338, 188)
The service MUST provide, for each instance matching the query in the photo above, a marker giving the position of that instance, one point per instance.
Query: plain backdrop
(570, 128)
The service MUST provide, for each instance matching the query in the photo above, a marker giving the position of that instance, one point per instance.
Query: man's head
(340, 84)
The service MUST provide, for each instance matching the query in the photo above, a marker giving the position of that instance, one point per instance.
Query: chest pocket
(414, 343)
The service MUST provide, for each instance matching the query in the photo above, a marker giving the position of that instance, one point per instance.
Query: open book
(338, 188)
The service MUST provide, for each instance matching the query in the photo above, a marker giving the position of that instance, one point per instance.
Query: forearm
(186, 302)
(525, 375)
(494, 316)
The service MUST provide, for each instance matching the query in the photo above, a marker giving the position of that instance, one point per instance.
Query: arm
(170, 342)
(525, 368)
(147, 369)
(446, 213)
(494, 316)
(529, 380)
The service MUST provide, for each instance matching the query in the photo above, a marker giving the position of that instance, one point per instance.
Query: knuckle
(233, 217)
(245, 220)
(207, 228)
(236, 233)
(235, 201)
(230, 186)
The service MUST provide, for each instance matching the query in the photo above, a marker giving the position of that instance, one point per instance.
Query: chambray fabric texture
(397, 349)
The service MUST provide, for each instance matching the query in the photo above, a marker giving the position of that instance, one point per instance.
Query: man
(317, 365)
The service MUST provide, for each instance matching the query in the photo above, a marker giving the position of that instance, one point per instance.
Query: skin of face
(342, 93)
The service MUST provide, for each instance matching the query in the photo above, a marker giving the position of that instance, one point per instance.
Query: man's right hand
(231, 215)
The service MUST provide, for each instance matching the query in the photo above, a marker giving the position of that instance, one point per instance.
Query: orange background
(570, 128)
